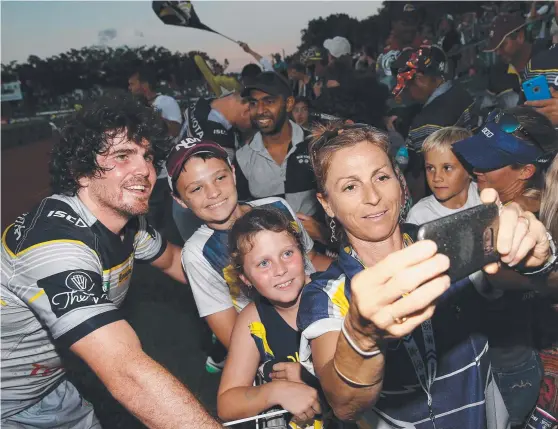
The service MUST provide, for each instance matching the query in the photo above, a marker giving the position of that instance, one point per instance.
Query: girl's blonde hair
(442, 140)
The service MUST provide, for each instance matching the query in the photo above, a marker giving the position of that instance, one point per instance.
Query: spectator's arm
(144, 387)
(222, 324)
(264, 62)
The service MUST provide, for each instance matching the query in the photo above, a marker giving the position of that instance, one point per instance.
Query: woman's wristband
(350, 381)
(354, 346)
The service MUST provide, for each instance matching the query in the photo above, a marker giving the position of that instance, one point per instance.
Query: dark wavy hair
(90, 131)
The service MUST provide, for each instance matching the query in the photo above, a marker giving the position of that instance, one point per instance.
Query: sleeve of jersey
(323, 306)
(66, 290)
(149, 244)
(210, 290)
(220, 135)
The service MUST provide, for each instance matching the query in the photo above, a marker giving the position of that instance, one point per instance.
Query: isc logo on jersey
(72, 219)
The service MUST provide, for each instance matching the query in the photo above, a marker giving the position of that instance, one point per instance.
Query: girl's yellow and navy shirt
(464, 394)
(277, 342)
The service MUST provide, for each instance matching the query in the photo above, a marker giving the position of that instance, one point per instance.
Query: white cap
(338, 46)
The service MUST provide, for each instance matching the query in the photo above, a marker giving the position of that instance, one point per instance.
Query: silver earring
(332, 227)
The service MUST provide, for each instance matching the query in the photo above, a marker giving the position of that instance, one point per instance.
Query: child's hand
(288, 371)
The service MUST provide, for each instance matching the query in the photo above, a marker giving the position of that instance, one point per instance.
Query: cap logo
(187, 143)
(442, 66)
(487, 132)
(491, 33)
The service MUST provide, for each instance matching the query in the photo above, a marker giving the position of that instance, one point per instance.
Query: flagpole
(226, 37)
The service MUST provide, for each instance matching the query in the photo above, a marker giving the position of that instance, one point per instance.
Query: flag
(180, 13)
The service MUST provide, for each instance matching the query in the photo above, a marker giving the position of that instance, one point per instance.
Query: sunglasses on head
(509, 124)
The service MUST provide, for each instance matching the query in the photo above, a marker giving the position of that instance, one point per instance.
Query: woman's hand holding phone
(521, 236)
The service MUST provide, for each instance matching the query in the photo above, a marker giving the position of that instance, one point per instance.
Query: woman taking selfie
(267, 253)
(370, 333)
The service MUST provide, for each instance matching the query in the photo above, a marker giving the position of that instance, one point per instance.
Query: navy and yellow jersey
(206, 261)
(451, 108)
(544, 63)
(277, 342)
(464, 393)
(64, 275)
(274, 338)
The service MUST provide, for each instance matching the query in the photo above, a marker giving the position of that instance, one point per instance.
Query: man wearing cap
(202, 179)
(507, 38)
(421, 77)
(276, 162)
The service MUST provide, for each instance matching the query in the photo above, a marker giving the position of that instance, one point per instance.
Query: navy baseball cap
(184, 150)
(491, 149)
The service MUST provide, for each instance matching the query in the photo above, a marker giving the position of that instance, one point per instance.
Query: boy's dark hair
(250, 71)
(89, 132)
(298, 67)
(301, 99)
(146, 75)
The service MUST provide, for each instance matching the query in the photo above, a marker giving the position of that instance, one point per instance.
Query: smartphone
(536, 88)
(467, 238)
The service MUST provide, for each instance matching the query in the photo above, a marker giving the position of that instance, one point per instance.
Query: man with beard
(66, 269)
(276, 163)
(142, 84)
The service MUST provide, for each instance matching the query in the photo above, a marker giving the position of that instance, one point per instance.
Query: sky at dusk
(46, 28)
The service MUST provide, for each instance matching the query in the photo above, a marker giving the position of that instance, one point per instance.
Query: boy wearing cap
(202, 179)
(421, 77)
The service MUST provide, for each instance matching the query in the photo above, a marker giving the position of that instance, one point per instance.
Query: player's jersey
(206, 261)
(64, 275)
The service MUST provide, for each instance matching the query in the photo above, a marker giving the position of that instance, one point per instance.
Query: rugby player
(66, 269)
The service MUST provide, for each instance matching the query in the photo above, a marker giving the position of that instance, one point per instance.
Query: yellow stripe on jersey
(37, 295)
(233, 282)
(4, 303)
(257, 329)
(108, 270)
(35, 246)
(339, 298)
(543, 70)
